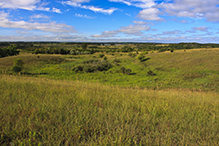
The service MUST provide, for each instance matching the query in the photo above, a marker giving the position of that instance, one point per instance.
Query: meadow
(39, 111)
(195, 69)
(111, 98)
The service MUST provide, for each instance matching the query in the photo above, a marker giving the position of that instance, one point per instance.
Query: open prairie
(55, 112)
(145, 97)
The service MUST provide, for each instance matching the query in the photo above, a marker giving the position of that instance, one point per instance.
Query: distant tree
(84, 46)
(105, 58)
(141, 57)
(18, 65)
(122, 69)
(128, 71)
(101, 55)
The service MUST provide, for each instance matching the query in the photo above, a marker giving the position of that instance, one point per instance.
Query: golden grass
(55, 112)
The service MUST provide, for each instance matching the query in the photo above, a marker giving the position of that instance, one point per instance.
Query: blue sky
(163, 21)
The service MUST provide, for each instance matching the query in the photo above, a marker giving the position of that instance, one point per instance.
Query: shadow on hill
(132, 73)
(27, 73)
(146, 59)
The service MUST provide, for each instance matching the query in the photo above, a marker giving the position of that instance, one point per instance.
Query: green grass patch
(193, 69)
(50, 112)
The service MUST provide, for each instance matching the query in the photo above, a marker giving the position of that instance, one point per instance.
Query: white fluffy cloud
(192, 8)
(17, 3)
(80, 1)
(83, 16)
(92, 8)
(150, 14)
(202, 28)
(47, 27)
(137, 3)
(43, 38)
(56, 10)
(26, 5)
(135, 30)
(39, 16)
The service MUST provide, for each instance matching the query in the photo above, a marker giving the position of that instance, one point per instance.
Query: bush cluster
(141, 57)
(18, 65)
(93, 66)
(101, 55)
(151, 73)
(10, 51)
(131, 54)
(125, 70)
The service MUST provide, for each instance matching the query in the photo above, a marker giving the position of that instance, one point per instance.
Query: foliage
(122, 69)
(84, 46)
(127, 49)
(141, 57)
(125, 71)
(90, 66)
(10, 51)
(131, 54)
(105, 58)
(18, 65)
(78, 68)
(38, 111)
(101, 55)
(151, 73)
(116, 60)
(194, 69)
(128, 71)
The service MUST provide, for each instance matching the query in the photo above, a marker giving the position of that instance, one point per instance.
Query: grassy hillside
(195, 69)
(56, 112)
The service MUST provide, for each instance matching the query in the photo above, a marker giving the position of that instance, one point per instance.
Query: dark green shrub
(133, 55)
(151, 73)
(162, 50)
(130, 54)
(93, 66)
(101, 55)
(141, 57)
(116, 60)
(128, 71)
(84, 46)
(88, 69)
(18, 65)
(105, 58)
(78, 68)
(122, 69)
(90, 61)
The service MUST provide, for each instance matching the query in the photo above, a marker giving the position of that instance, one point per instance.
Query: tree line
(9, 51)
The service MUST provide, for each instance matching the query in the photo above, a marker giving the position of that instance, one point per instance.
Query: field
(166, 98)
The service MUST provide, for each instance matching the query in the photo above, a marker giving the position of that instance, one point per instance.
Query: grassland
(196, 69)
(55, 112)
(49, 103)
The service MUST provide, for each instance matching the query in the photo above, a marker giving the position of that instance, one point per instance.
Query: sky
(161, 21)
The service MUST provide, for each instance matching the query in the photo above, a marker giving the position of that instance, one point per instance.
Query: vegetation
(49, 112)
(9, 51)
(18, 65)
(109, 94)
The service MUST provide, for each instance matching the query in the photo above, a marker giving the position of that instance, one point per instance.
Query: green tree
(18, 65)
(84, 46)
(122, 69)
(141, 57)
(128, 71)
(101, 55)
